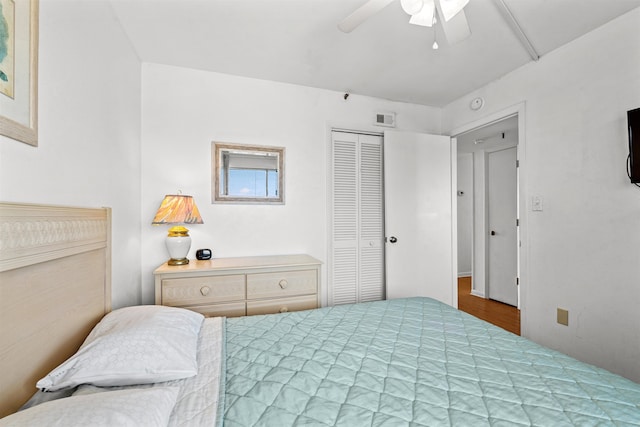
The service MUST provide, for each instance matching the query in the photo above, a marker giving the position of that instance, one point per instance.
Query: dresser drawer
(203, 290)
(282, 284)
(282, 305)
(232, 309)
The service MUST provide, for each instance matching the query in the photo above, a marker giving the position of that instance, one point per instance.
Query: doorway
(488, 199)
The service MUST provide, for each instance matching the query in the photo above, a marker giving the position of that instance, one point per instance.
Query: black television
(633, 162)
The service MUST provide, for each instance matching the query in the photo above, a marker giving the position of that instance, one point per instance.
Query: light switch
(536, 203)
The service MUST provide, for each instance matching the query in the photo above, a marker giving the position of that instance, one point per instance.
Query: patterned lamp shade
(178, 209)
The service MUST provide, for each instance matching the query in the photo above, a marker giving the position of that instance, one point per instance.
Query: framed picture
(19, 70)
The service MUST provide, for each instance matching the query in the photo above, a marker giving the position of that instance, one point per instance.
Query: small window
(248, 174)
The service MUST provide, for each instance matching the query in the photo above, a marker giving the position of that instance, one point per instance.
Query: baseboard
(464, 274)
(477, 294)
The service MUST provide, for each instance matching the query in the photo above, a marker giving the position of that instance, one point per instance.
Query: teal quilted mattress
(409, 362)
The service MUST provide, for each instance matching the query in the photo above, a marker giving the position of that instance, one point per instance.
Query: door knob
(493, 233)
(393, 239)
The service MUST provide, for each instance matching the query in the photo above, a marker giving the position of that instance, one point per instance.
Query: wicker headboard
(55, 285)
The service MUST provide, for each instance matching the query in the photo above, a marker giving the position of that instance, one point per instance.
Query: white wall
(465, 213)
(89, 130)
(185, 110)
(583, 247)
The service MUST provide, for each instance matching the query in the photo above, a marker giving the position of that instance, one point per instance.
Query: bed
(410, 361)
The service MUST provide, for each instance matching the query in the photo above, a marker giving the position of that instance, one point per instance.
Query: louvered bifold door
(371, 228)
(356, 259)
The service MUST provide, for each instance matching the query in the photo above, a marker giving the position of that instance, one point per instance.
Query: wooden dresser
(241, 286)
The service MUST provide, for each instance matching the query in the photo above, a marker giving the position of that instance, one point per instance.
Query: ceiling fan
(449, 13)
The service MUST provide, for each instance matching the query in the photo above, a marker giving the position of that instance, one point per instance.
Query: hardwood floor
(497, 313)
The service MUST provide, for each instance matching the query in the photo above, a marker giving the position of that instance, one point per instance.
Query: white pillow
(133, 345)
(130, 407)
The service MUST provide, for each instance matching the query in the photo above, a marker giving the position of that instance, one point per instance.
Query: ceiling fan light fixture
(450, 8)
(426, 17)
(434, 46)
(412, 7)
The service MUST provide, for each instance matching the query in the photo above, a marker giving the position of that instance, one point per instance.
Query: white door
(503, 231)
(418, 216)
(356, 266)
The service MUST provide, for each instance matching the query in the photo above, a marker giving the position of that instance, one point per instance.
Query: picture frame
(19, 67)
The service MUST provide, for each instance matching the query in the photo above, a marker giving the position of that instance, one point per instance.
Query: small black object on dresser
(203, 254)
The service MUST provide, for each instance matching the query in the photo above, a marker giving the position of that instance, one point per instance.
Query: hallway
(497, 313)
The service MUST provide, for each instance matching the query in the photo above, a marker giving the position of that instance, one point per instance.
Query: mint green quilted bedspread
(409, 362)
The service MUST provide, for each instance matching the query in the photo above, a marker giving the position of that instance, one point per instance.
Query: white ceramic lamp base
(178, 245)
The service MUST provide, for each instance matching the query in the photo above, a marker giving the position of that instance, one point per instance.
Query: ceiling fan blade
(361, 14)
(455, 29)
(425, 16)
(450, 8)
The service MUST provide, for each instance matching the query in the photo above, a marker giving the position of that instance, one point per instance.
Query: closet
(356, 258)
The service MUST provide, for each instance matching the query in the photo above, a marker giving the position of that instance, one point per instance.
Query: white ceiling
(297, 41)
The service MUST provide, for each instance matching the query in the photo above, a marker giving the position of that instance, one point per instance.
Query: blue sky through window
(253, 183)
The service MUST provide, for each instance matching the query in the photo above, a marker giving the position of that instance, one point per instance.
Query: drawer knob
(284, 310)
(205, 290)
(283, 283)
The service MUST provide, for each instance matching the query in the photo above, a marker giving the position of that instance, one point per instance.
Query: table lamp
(178, 209)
